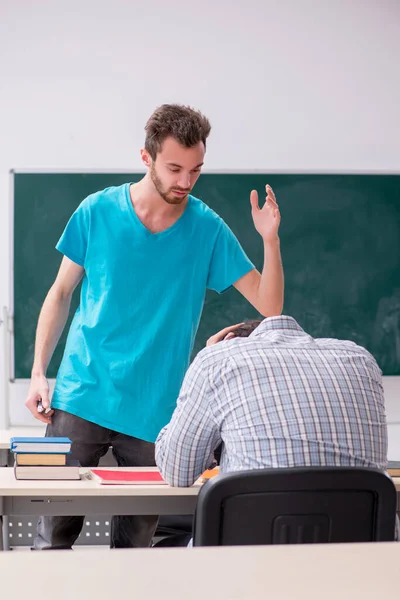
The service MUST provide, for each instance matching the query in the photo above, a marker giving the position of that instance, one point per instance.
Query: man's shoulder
(200, 210)
(104, 197)
(344, 345)
(346, 348)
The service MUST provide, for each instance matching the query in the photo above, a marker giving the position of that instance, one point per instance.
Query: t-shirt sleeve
(74, 240)
(229, 261)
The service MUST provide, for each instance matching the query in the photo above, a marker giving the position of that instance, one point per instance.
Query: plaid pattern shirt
(278, 398)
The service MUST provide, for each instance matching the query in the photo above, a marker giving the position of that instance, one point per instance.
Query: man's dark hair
(185, 124)
(247, 328)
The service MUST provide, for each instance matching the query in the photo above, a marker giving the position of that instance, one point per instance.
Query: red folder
(118, 477)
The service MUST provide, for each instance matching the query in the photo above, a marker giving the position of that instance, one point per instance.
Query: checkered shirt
(278, 398)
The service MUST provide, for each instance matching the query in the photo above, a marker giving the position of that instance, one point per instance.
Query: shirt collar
(281, 323)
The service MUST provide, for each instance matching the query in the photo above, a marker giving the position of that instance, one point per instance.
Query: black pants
(89, 443)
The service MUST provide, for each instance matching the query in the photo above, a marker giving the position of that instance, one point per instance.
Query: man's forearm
(52, 319)
(271, 287)
(172, 460)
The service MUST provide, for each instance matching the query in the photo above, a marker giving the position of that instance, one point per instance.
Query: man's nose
(184, 181)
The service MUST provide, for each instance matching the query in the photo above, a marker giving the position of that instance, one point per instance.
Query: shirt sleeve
(185, 447)
(229, 261)
(74, 240)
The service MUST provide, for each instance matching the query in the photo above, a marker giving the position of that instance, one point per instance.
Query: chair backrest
(296, 506)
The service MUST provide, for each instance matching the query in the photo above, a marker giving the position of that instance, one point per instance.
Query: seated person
(278, 398)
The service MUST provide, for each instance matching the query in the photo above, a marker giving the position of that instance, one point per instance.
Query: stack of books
(393, 468)
(43, 458)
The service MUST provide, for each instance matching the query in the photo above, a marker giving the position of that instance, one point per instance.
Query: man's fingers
(39, 405)
(43, 416)
(270, 198)
(227, 330)
(229, 336)
(43, 419)
(270, 192)
(44, 395)
(32, 402)
(271, 204)
(217, 337)
(254, 200)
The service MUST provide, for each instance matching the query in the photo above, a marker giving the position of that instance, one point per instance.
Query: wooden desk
(304, 572)
(35, 498)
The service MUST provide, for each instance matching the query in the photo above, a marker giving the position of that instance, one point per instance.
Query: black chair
(296, 506)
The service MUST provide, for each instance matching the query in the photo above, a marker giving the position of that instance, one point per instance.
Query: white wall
(289, 85)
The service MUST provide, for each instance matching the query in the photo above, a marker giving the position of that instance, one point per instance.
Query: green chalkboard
(340, 241)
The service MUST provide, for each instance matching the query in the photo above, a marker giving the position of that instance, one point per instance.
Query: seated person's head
(243, 330)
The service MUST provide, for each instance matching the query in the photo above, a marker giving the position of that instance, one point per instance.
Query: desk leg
(4, 538)
(3, 457)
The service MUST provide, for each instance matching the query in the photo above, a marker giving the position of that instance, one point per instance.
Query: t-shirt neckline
(143, 227)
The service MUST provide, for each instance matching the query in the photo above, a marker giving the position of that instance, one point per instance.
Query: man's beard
(165, 195)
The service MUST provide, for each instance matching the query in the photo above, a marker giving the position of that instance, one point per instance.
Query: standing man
(146, 252)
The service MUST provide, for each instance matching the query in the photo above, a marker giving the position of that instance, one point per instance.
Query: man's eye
(174, 170)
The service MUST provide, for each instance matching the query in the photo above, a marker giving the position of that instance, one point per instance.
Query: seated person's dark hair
(247, 328)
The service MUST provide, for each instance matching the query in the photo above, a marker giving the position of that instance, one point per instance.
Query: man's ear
(146, 158)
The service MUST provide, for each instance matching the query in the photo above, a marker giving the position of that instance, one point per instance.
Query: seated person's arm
(185, 447)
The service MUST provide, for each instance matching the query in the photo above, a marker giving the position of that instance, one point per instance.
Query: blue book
(40, 445)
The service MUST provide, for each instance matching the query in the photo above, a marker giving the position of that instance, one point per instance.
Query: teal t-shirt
(141, 300)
